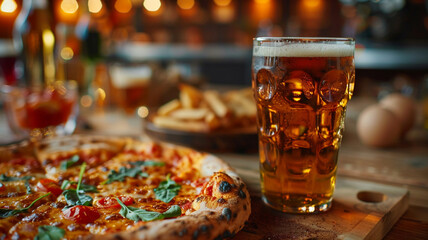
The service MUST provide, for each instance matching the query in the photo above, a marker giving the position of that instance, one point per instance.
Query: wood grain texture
(408, 229)
(406, 164)
(349, 218)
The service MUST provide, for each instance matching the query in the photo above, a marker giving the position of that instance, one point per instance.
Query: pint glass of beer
(301, 86)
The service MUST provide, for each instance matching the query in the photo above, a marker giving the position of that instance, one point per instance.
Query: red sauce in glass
(41, 110)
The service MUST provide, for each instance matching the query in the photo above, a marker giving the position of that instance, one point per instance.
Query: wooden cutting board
(361, 210)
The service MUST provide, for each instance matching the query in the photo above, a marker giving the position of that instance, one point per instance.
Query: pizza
(97, 187)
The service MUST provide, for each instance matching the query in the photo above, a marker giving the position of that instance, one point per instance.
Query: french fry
(245, 106)
(242, 102)
(204, 111)
(190, 97)
(214, 101)
(172, 123)
(190, 113)
(212, 121)
(236, 108)
(169, 107)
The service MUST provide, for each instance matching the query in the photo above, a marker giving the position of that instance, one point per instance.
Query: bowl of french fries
(209, 120)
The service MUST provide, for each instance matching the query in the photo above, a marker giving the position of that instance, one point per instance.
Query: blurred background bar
(208, 42)
(217, 34)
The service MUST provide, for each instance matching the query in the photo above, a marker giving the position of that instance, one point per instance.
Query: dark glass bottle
(34, 39)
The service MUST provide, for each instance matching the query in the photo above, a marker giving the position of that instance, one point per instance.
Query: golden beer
(301, 87)
(130, 86)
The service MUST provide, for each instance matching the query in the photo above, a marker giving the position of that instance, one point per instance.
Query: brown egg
(378, 127)
(403, 107)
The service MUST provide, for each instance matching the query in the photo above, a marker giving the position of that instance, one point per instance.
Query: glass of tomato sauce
(41, 111)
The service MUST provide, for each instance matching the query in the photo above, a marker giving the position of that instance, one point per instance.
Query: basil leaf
(74, 198)
(4, 213)
(137, 214)
(83, 187)
(66, 164)
(88, 188)
(124, 172)
(173, 211)
(167, 190)
(6, 178)
(50, 233)
(148, 163)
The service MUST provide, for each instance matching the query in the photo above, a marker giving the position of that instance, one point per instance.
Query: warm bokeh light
(8, 6)
(95, 6)
(48, 38)
(224, 14)
(143, 112)
(67, 53)
(69, 6)
(262, 10)
(185, 4)
(100, 94)
(312, 3)
(123, 6)
(86, 101)
(311, 15)
(152, 5)
(222, 3)
(262, 1)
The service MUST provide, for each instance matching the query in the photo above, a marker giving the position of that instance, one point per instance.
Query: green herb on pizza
(71, 162)
(83, 187)
(148, 163)
(47, 232)
(123, 173)
(4, 213)
(167, 190)
(137, 214)
(77, 196)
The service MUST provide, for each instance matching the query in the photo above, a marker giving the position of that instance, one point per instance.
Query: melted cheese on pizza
(105, 164)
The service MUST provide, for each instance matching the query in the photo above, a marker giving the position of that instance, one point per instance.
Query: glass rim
(315, 39)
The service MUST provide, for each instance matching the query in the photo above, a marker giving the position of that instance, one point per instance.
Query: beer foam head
(304, 50)
(123, 77)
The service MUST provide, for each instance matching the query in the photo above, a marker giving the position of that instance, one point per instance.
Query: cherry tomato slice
(81, 214)
(153, 150)
(186, 206)
(177, 179)
(111, 202)
(49, 185)
(25, 161)
(91, 159)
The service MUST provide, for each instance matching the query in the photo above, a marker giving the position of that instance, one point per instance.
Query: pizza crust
(211, 220)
